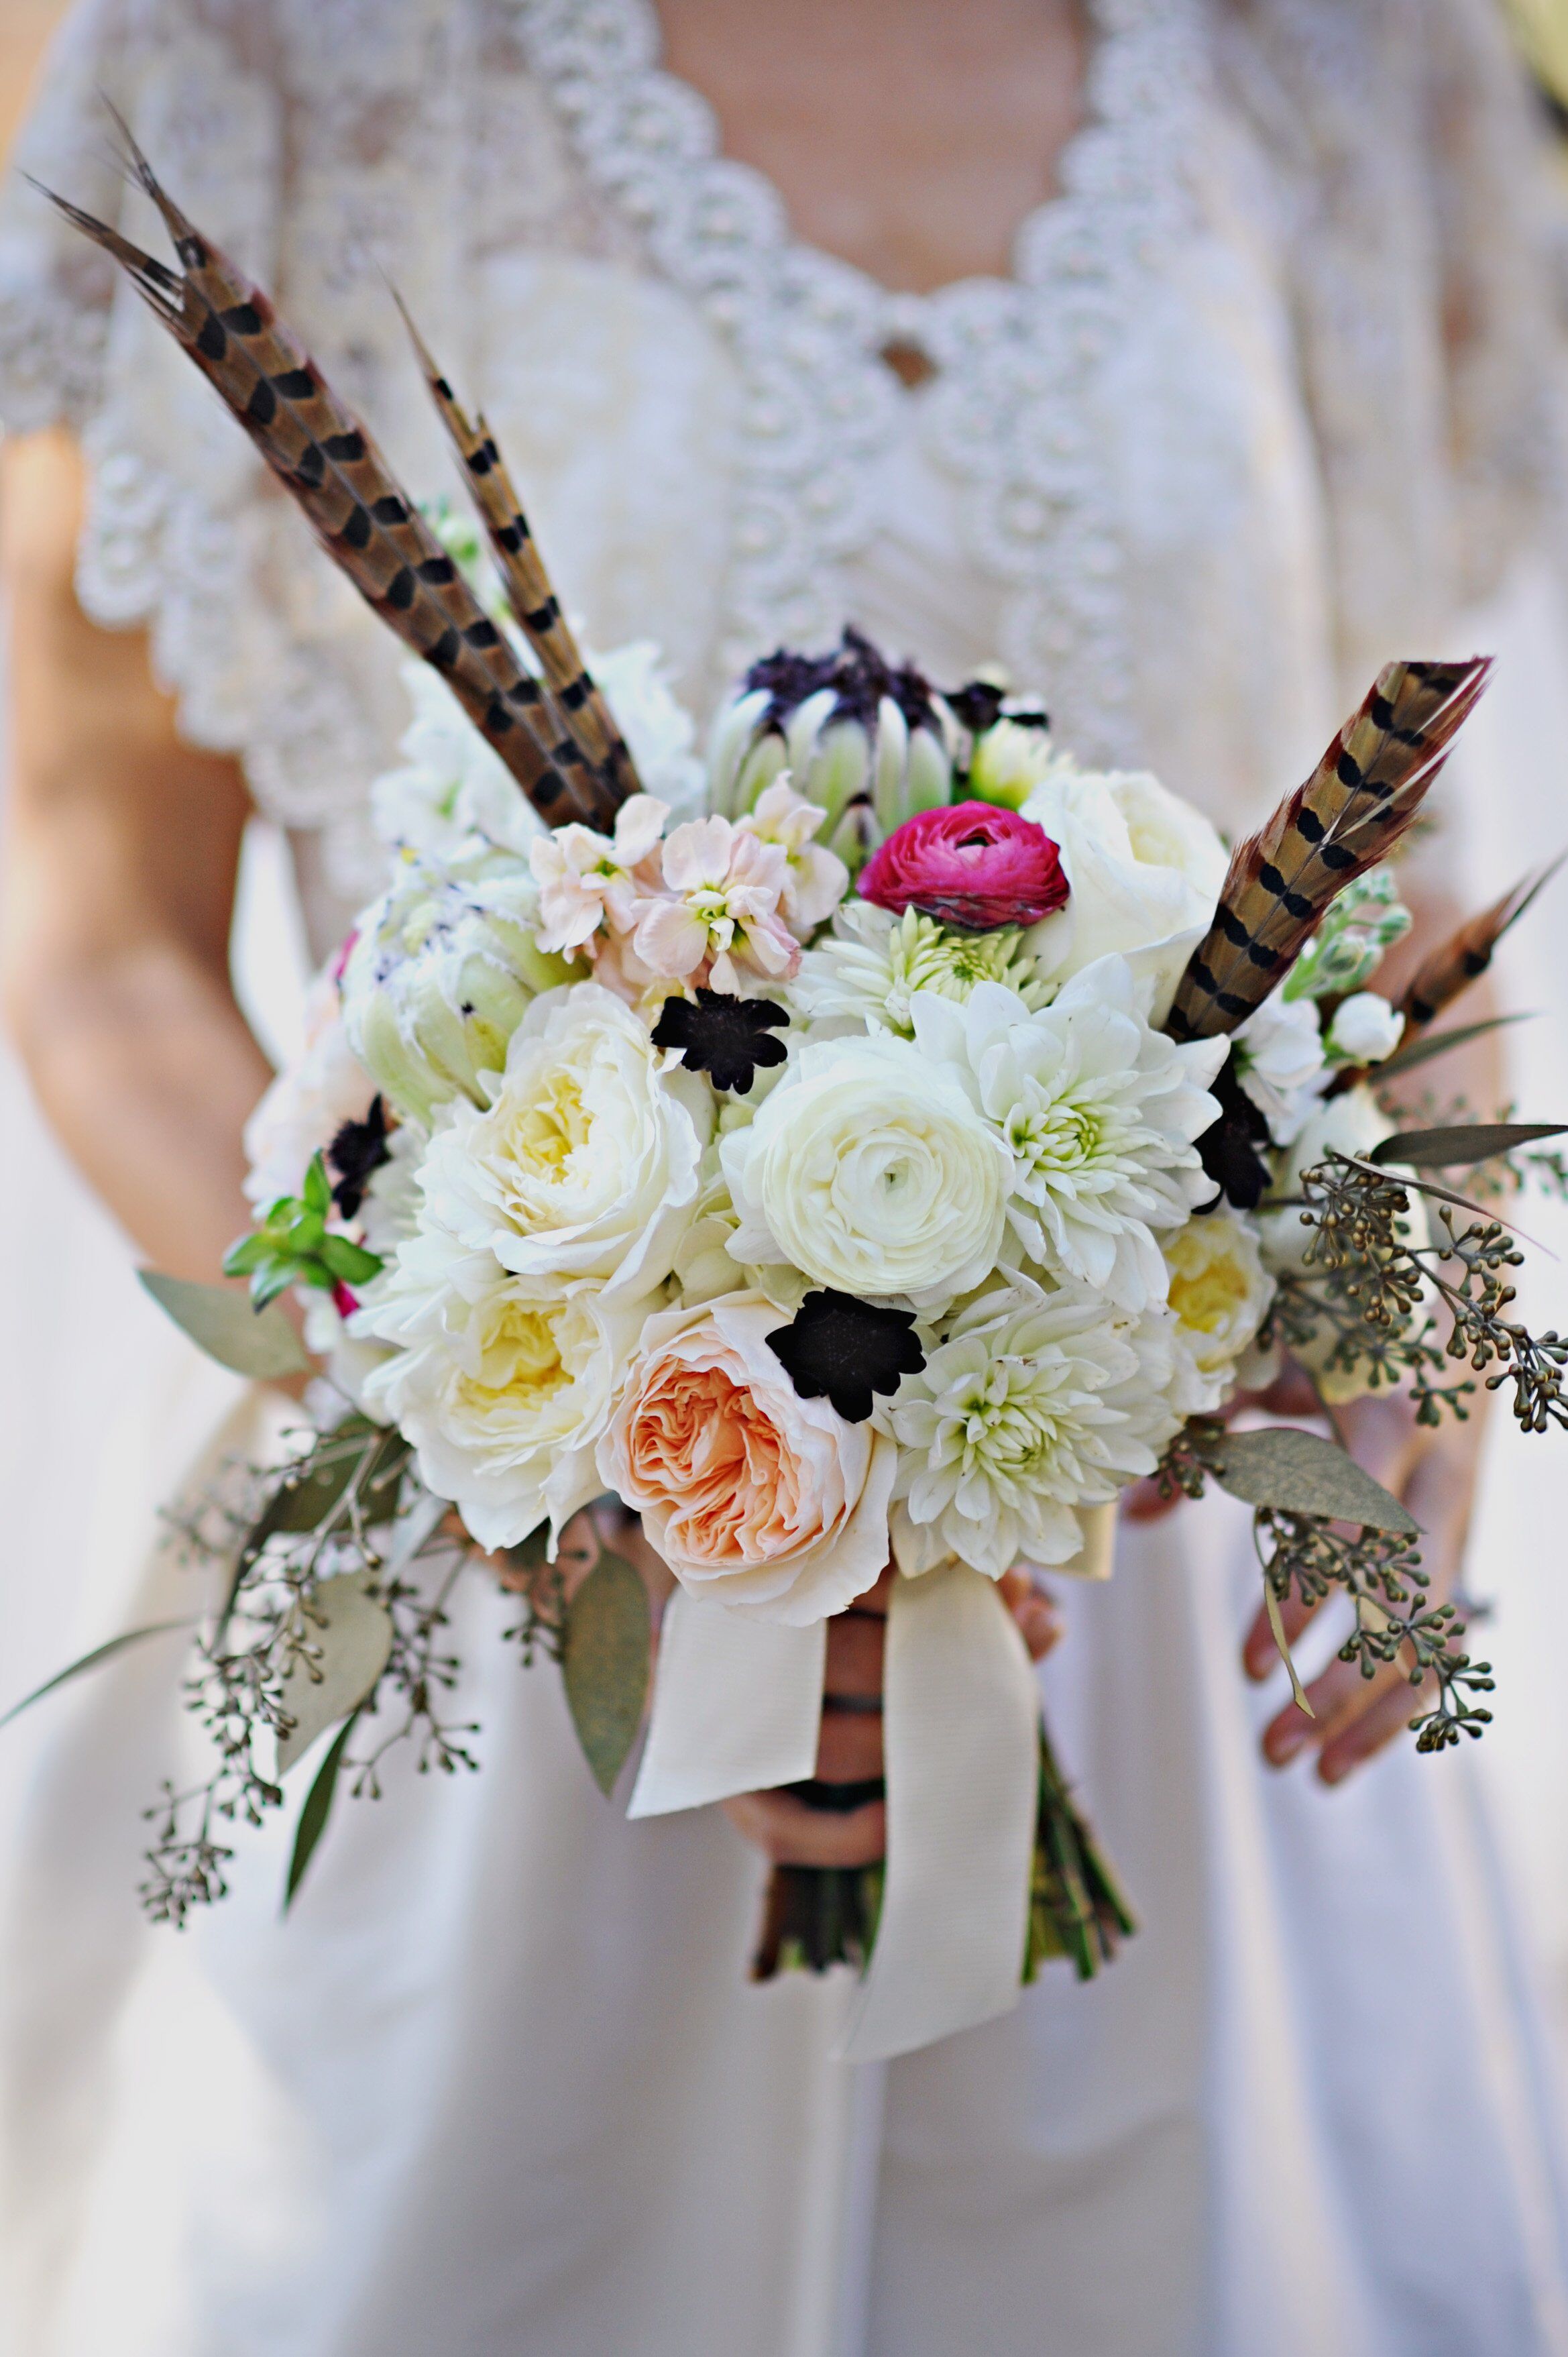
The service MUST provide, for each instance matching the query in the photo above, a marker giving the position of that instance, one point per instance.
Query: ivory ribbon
(961, 1721)
(737, 1706)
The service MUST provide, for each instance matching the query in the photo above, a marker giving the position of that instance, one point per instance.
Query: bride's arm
(117, 891)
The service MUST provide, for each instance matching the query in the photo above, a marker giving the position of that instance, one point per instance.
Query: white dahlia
(873, 962)
(1036, 1403)
(1098, 1113)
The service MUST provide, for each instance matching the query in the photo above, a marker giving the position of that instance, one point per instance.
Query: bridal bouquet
(878, 1144)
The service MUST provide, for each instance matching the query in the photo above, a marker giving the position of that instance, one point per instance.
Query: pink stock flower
(587, 880)
(754, 1498)
(969, 864)
(718, 917)
(815, 880)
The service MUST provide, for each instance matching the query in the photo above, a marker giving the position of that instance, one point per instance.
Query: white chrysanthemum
(659, 731)
(1280, 1063)
(1145, 869)
(587, 1159)
(872, 1172)
(503, 1390)
(875, 962)
(1034, 1404)
(1098, 1113)
(307, 1104)
(1219, 1293)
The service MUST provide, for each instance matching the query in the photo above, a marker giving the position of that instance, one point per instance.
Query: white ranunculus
(1280, 1062)
(1219, 1293)
(1097, 1113)
(307, 1104)
(1351, 1123)
(1366, 1029)
(503, 1389)
(1034, 1404)
(1145, 869)
(871, 1172)
(756, 1499)
(587, 1159)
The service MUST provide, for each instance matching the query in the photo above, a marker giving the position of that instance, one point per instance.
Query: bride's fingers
(856, 1640)
(1039, 1622)
(849, 1747)
(1144, 1501)
(791, 1834)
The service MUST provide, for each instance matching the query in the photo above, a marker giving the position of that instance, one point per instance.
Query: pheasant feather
(367, 524)
(1349, 814)
(1467, 953)
(595, 739)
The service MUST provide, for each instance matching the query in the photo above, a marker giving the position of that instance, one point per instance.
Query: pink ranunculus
(756, 1499)
(969, 864)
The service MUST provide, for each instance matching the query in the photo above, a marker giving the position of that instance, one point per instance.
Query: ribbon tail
(737, 1706)
(961, 1733)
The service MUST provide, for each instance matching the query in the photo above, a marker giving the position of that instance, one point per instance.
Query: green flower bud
(1364, 922)
(438, 980)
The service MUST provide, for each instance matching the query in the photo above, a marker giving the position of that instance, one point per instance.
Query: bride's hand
(850, 1749)
(1431, 1469)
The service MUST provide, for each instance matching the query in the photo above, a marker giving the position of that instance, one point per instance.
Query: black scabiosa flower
(843, 1350)
(726, 1037)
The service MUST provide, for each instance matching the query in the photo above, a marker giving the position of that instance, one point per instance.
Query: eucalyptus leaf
(1427, 1045)
(605, 1664)
(1477, 1141)
(103, 1652)
(350, 1636)
(1301, 1473)
(221, 1321)
(317, 1810)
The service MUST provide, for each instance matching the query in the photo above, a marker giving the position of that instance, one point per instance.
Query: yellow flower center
(546, 1133)
(521, 1359)
(1207, 1290)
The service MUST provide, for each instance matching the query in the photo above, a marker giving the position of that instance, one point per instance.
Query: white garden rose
(1145, 869)
(756, 1499)
(871, 1172)
(1219, 1293)
(1037, 1402)
(1097, 1113)
(587, 1158)
(504, 1391)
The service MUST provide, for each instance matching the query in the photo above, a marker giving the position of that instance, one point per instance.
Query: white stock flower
(870, 968)
(1036, 1403)
(503, 1389)
(586, 879)
(307, 1104)
(1219, 1293)
(1280, 1062)
(1366, 1029)
(1145, 869)
(815, 881)
(1098, 1112)
(587, 1159)
(872, 1172)
(455, 792)
(658, 730)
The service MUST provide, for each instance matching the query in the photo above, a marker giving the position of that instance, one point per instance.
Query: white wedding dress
(1267, 398)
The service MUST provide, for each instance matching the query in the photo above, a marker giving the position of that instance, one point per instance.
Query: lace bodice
(1270, 389)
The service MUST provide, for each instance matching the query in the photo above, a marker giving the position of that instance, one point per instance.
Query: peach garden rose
(756, 1499)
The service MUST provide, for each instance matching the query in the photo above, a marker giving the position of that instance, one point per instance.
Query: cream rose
(588, 1157)
(503, 1392)
(870, 1169)
(1219, 1293)
(756, 1499)
(1145, 870)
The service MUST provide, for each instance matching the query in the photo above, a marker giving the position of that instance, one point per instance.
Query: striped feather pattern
(326, 458)
(1348, 816)
(1465, 956)
(595, 739)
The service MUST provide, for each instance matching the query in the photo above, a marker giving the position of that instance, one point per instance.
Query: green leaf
(317, 1195)
(1438, 1043)
(350, 1261)
(248, 1254)
(351, 1635)
(1301, 1473)
(605, 1664)
(1475, 1141)
(222, 1322)
(317, 1810)
(89, 1661)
